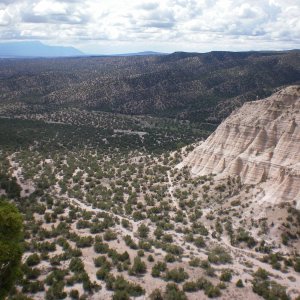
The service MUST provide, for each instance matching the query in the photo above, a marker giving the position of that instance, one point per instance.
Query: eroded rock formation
(261, 143)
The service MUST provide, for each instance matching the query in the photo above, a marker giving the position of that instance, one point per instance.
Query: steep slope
(260, 142)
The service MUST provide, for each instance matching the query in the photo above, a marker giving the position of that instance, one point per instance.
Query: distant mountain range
(36, 49)
(144, 53)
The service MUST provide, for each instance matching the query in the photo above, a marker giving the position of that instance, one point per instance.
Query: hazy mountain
(144, 53)
(36, 49)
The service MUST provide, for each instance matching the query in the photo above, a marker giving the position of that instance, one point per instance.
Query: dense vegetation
(197, 87)
(10, 246)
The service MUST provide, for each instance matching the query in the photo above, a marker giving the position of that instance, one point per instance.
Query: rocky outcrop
(260, 142)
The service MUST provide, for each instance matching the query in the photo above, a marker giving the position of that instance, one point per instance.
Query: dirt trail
(171, 190)
(98, 210)
(178, 238)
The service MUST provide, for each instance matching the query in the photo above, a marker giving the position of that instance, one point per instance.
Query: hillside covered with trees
(197, 87)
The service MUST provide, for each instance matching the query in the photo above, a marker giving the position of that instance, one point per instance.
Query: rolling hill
(197, 87)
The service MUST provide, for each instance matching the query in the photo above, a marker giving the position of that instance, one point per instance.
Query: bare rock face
(261, 143)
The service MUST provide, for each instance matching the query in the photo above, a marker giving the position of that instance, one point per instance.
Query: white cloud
(46, 7)
(5, 17)
(169, 25)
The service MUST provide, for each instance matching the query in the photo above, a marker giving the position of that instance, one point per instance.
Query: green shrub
(195, 262)
(150, 258)
(145, 245)
(100, 247)
(124, 288)
(84, 242)
(190, 286)
(125, 223)
(31, 273)
(269, 290)
(56, 291)
(221, 285)
(158, 268)
(172, 292)
(120, 295)
(261, 274)
(203, 283)
(102, 273)
(213, 292)
(33, 260)
(138, 267)
(239, 283)
(55, 276)
(33, 287)
(129, 242)
(101, 261)
(177, 275)
(219, 255)
(74, 294)
(156, 295)
(109, 235)
(199, 242)
(76, 265)
(226, 275)
(170, 258)
(168, 238)
(143, 231)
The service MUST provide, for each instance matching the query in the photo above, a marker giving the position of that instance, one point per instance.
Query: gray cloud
(9, 1)
(55, 19)
(148, 6)
(162, 25)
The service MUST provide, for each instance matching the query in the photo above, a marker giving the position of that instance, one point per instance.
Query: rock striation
(260, 142)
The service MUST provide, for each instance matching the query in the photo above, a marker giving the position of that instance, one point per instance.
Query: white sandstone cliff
(261, 143)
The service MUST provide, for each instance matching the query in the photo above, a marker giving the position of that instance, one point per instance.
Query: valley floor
(109, 215)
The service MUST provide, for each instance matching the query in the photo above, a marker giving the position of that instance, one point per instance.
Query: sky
(123, 26)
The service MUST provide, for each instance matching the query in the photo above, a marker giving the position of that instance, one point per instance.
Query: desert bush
(226, 275)
(219, 255)
(177, 275)
(239, 283)
(138, 267)
(109, 235)
(158, 268)
(172, 292)
(33, 260)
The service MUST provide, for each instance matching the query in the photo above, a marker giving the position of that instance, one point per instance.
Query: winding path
(171, 190)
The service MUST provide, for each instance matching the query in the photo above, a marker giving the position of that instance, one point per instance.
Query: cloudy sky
(114, 26)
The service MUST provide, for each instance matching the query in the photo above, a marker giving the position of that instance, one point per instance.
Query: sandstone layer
(260, 142)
